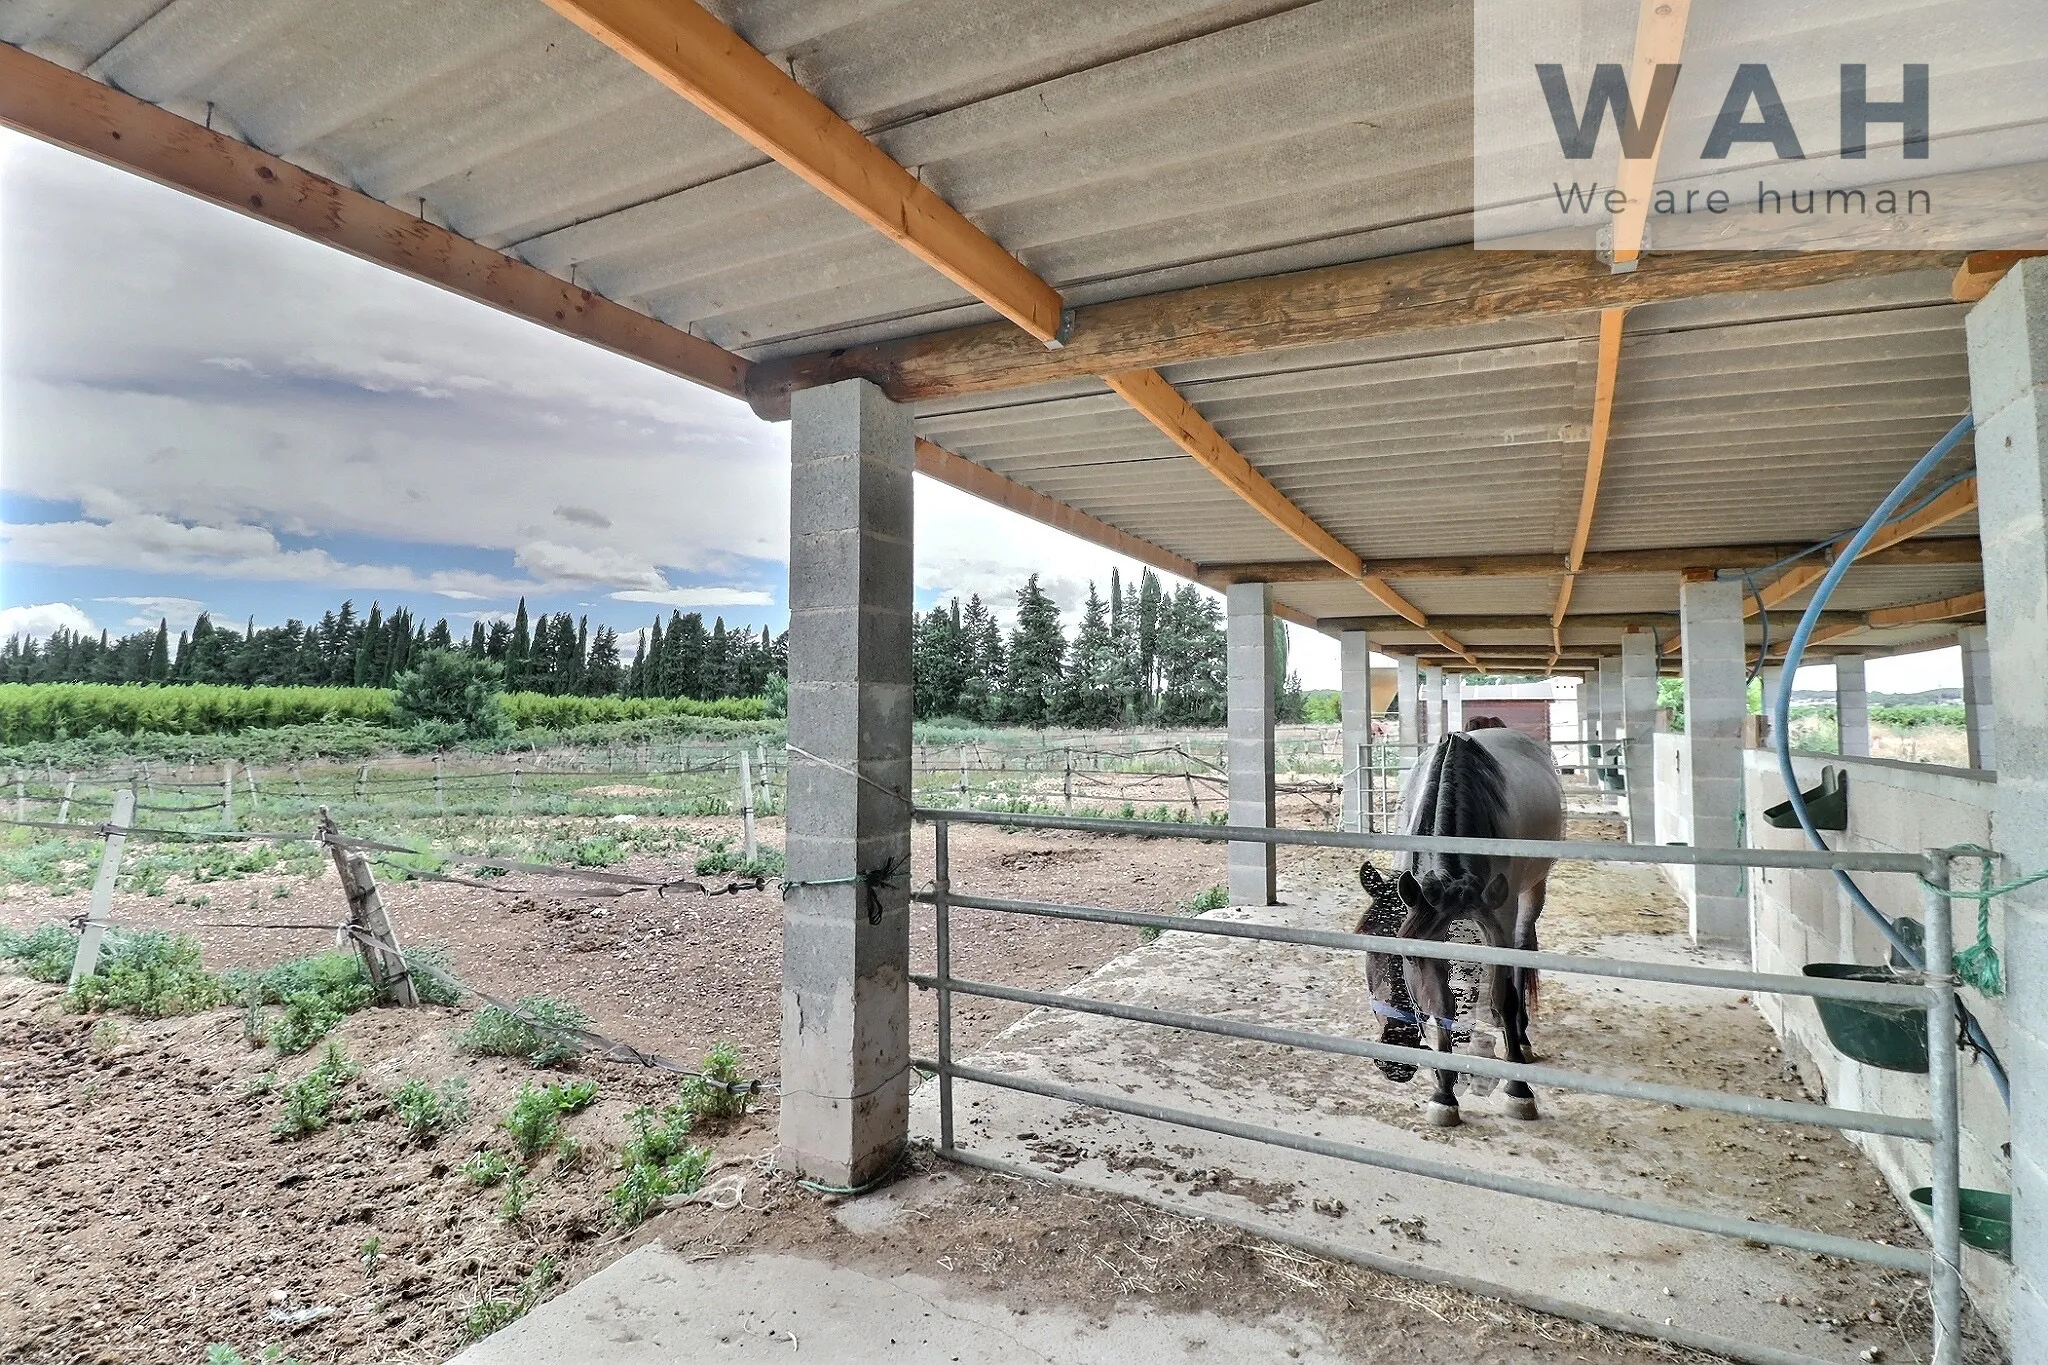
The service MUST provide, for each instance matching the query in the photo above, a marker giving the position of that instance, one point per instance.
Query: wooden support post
(965, 801)
(440, 801)
(362, 779)
(767, 802)
(299, 781)
(369, 926)
(20, 796)
(747, 849)
(103, 888)
(518, 785)
(1188, 776)
(148, 780)
(1067, 785)
(255, 796)
(64, 806)
(227, 794)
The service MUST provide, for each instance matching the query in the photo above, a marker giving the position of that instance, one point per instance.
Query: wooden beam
(1390, 296)
(1913, 613)
(1165, 408)
(936, 462)
(1981, 270)
(687, 49)
(1607, 365)
(58, 106)
(1463, 625)
(1942, 550)
(1952, 504)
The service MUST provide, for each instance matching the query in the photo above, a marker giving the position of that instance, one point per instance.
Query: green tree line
(1142, 655)
(554, 655)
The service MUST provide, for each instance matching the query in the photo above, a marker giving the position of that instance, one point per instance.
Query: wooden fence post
(299, 780)
(746, 808)
(20, 797)
(255, 796)
(440, 801)
(362, 779)
(965, 801)
(64, 806)
(1067, 785)
(518, 785)
(103, 888)
(227, 794)
(148, 780)
(370, 927)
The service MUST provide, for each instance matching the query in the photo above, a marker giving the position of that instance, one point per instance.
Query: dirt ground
(148, 1210)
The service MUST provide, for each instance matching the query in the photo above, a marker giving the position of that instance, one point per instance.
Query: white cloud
(39, 621)
(688, 598)
(180, 612)
(597, 568)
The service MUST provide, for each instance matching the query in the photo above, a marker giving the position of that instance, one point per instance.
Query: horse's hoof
(1442, 1115)
(1521, 1107)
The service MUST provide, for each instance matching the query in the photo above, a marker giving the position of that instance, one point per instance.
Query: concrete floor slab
(653, 1307)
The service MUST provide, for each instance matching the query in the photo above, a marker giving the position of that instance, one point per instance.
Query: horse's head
(1383, 912)
(1449, 895)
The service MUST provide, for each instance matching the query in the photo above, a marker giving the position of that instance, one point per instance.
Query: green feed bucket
(1986, 1218)
(1893, 1037)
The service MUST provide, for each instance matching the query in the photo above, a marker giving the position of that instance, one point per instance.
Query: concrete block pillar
(1248, 613)
(1354, 708)
(846, 950)
(1638, 724)
(1773, 678)
(1454, 703)
(1589, 721)
(1609, 717)
(1852, 707)
(1432, 704)
(1977, 707)
(2008, 348)
(1408, 695)
(1716, 700)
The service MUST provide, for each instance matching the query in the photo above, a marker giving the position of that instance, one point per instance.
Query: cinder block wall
(1799, 917)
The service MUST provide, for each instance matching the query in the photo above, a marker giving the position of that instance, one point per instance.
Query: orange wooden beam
(1981, 270)
(60, 106)
(1952, 504)
(1914, 613)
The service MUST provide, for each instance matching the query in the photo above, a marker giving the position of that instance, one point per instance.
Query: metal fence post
(943, 960)
(1943, 1110)
(103, 887)
(746, 808)
(227, 794)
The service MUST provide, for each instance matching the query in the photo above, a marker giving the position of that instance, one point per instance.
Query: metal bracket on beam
(1058, 341)
(1604, 247)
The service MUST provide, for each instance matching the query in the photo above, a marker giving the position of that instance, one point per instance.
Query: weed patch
(1215, 898)
(494, 1311)
(535, 1119)
(486, 1168)
(43, 954)
(542, 1031)
(147, 972)
(429, 1111)
(309, 1101)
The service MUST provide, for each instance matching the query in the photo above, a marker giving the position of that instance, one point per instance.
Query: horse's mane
(1464, 796)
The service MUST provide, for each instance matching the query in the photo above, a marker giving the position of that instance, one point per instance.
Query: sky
(203, 412)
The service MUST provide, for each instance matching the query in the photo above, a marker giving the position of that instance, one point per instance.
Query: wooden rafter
(1660, 37)
(1915, 613)
(1943, 550)
(1953, 503)
(1425, 291)
(686, 48)
(1983, 269)
(59, 106)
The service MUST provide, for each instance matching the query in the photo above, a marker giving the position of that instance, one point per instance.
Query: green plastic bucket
(1986, 1218)
(1893, 1037)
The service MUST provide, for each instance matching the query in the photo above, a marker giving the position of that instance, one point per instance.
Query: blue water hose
(1781, 725)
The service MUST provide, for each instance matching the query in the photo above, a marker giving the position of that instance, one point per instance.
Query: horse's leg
(1514, 1022)
(1529, 909)
(1429, 986)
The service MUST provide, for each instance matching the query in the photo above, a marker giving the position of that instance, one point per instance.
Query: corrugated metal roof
(1117, 149)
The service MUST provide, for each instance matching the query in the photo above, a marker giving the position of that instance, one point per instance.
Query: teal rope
(1978, 965)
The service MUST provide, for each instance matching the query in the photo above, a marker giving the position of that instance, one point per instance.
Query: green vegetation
(319, 991)
(535, 1119)
(429, 1111)
(659, 1160)
(486, 1168)
(720, 859)
(309, 1101)
(43, 954)
(31, 711)
(1919, 717)
(494, 1311)
(147, 972)
(222, 1354)
(454, 694)
(543, 1031)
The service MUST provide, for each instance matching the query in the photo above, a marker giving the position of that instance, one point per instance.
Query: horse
(1493, 783)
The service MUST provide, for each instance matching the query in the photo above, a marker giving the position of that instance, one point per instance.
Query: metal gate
(1935, 992)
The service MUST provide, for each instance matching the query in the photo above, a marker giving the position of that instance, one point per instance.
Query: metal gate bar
(1936, 992)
